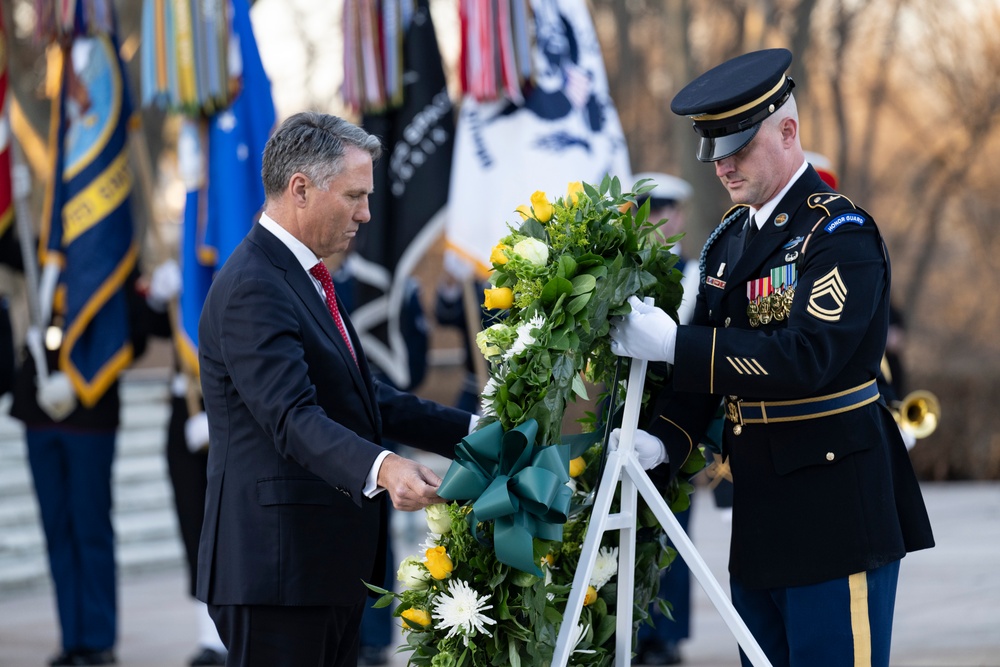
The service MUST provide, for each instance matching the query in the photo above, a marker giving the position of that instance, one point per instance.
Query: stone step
(145, 522)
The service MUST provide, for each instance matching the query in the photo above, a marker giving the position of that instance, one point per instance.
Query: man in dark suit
(789, 328)
(295, 514)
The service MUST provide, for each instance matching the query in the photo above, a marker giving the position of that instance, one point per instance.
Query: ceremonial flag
(411, 189)
(87, 223)
(220, 162)
(566, 129)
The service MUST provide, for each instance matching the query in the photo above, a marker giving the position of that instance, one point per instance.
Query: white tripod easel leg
(623, 467)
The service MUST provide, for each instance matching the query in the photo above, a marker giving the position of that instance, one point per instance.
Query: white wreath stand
(622, 466)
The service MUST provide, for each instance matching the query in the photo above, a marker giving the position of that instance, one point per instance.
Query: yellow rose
(438, 563)
(541, 206)
(497, 255)
(524, 210)
(417, 618)
(573, 192)
(590, 597)
(577, 466)
(501, 297)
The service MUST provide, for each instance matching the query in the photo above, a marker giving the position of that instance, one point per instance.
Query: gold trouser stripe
(860, 626)
(711, 371)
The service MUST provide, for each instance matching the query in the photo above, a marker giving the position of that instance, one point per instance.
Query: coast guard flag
(411, 189)
(566, 129)
(220, 162)
(87, 226)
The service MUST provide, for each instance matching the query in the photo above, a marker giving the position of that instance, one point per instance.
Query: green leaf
(534, 229)
(605, 629)
(555, 288)
(579, 387)
(567, 266)
(584, 284)
(578, 303)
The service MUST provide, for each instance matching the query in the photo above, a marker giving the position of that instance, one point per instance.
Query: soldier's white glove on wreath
(645, 333)
(55, 396)
(649, 450)
(196, 432)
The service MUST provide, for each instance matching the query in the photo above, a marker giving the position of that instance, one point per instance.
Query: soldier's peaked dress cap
(728, 102)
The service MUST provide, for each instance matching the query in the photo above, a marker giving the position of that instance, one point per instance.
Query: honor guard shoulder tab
(835, 210)
(727, 220)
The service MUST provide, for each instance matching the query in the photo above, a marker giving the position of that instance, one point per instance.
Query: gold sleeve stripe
(690, 441)
(746, 366)
(860, 625)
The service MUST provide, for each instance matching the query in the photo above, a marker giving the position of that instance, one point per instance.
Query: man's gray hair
(313, 144)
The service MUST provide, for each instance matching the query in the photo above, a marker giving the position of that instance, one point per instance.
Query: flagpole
(139, 149)
(25, 234)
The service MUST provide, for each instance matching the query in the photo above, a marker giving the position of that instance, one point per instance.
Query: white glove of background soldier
(196, 432)
(55, 396)
(645, 333)
(164, 284)
(649, 450)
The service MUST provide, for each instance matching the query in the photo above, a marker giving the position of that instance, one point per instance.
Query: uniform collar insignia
(780, 220)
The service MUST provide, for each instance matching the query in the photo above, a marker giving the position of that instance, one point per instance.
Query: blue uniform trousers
(72, 478)
(839, 623)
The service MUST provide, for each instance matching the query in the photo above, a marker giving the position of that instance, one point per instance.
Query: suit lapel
(300, 283)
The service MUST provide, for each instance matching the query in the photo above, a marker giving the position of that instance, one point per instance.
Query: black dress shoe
(666, 653)
(84, 657)
(208, 656)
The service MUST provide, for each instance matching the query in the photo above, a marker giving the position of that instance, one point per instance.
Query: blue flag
(221, 158)
(87, 226)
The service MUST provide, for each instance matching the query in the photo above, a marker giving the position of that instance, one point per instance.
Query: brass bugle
(918, 413)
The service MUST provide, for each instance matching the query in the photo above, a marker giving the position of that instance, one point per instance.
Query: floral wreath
(498, 566)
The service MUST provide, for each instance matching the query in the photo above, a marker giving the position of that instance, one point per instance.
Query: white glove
(196, 432)
(909, 439)
(645, 333)
(649, 450)
(55, 396)
(164, 284)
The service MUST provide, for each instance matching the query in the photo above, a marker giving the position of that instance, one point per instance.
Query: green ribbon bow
(518, 485)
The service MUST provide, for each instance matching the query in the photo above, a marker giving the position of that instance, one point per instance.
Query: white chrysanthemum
(525, 337)
(432, 540)
(605, 567)
(578, 632)
(461, 609)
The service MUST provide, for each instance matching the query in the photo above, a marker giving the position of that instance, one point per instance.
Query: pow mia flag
(407, 208)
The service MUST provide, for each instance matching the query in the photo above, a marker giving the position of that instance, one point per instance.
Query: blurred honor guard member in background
(789, 329)
(295, 517)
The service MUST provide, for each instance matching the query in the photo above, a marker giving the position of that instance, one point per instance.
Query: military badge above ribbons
(770, 297)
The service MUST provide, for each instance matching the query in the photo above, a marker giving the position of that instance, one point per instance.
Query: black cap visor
(712, 149)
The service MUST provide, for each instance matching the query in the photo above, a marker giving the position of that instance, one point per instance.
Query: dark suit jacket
(294, 426)
(820, 498)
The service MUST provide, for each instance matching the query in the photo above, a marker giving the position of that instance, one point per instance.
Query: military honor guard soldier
(788, 332)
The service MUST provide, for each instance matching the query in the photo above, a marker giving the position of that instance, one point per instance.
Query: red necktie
(320, 273)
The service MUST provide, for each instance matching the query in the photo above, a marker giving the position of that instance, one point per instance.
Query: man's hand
(645, 333)
(410, 485)
(55, 396)
(649, 450)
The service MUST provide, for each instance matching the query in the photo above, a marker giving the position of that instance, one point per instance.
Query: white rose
(533, 251)
(412, 574)
(438, 519)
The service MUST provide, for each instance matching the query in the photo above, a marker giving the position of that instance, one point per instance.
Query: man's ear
(298, 188)
(789, 130)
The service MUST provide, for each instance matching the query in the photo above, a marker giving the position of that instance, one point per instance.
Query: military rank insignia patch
(840, 220)
(829, 294)
(746, 366)
(770, 298)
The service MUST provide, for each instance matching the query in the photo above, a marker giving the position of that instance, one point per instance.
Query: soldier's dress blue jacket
(823, 484)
